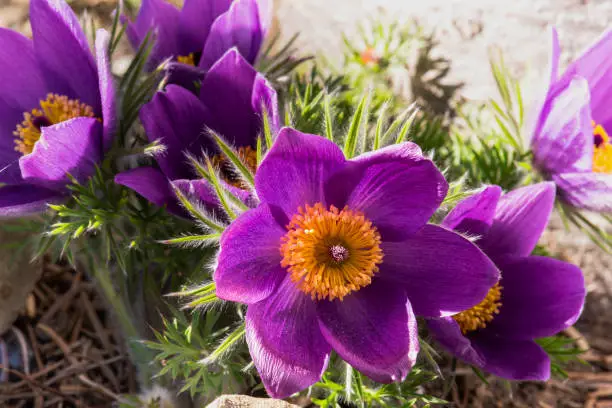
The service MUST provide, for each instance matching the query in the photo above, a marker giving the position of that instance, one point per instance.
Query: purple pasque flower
(536, 296)
(231, 102)
(570, 142)
(202, 31)
(57, 108)
(338, 255)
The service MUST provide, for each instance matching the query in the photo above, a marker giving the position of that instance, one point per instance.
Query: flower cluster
(329, 251)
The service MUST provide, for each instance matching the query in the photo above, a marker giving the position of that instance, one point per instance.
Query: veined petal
(596, 67)
(249, 265)
(238, 27)
(436, 288)
(474, 215)
(285, 342)
(195, 21)
(591, 191)
(295, 169)
(177, 119)
(26, 199)
(71, 147)
(374, 330)
(563, 139)
(540, 297)
(63, 51)
(161, 19)
(520, 220)
(107, 88)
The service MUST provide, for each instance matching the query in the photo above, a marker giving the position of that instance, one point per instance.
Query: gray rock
(243, 401)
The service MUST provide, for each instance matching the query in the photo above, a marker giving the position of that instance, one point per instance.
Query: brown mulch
(64, 349)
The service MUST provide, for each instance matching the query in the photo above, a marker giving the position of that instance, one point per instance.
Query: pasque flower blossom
(231, 102)
(536, 296)
(570, 140)
(57, 108)
(338, 255)
(202, 31)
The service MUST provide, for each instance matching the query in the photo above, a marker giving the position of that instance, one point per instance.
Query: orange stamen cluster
(602, 154)
(369, 56)
(187, 59)
(330, 253)
(483, 313)
(53, 110)
(247, 154)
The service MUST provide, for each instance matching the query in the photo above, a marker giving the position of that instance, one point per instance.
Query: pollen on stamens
(602, 152)
(187, 59)
(330, 253)
(53, 110)
(482, 314)
(247, 154)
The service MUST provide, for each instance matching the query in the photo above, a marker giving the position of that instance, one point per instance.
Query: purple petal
(25, 199)
(374, 330)
(520, 219)
(107, 88)
(563, 139)
(71, 147)
(596, 67)
(540, 297)
(285, 342)
(519, 360)
(22, 87)
(62, 49)
(162, 20)
(239, 27)
(249, 266)
(474, 215)
(153, 185)
(591, 191)
(195, 21)
(227, 91)
(177, 119)
(295, 169)
(184, 75)
(436, 288)
(399, 196)
(447, 332)
(264, 100)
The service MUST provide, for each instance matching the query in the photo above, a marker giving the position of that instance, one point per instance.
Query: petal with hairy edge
(438, 288)
(520, 220)
(285, 342)
(107, 89)
(374, 330)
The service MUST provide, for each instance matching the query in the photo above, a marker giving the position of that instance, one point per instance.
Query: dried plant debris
(63, 350)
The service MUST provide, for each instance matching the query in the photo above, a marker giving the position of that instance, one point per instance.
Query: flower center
(330, 253)
(480, 315)
(602, 154)
(53, 110)
(187, 59)
(247, 154)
